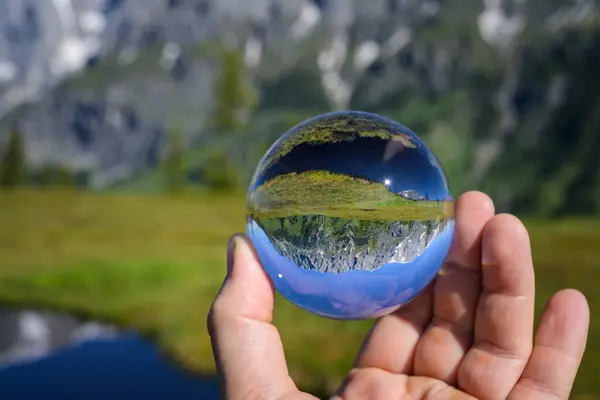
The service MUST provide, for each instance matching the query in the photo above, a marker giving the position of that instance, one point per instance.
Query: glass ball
(350, 215)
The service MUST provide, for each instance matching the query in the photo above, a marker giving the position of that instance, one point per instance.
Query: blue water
(124, 368)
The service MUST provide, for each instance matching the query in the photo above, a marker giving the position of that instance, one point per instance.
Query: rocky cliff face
(325, 244)
(110, 120)
(42, 42)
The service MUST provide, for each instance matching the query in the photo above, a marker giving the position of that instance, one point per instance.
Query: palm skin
(470, 335)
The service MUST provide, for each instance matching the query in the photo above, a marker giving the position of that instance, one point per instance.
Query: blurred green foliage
(53, 175)
(232, 93)
(235, 100)
(220, 175)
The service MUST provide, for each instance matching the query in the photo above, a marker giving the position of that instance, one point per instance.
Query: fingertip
(505, 221)
(572, 298)
(569, 308)
(472, 211)
(476, 200)
(247, 291)
(241, 256)
(505, 238)
(240, 246)
(565, 323)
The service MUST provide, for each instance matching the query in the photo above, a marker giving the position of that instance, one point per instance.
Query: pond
(45, 355)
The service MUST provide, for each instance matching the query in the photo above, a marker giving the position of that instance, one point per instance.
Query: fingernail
(230, 253)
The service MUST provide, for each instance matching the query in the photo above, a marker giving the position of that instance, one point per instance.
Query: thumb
(247, 347)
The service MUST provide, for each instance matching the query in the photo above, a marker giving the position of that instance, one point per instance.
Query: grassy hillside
(155, 264)
(339, 196)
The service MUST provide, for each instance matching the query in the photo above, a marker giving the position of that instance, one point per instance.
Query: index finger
(247, 347)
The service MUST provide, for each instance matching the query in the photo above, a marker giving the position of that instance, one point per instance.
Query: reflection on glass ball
(350, 215)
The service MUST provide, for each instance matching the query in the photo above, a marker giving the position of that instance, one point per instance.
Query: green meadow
(155, 263)
(339, 196)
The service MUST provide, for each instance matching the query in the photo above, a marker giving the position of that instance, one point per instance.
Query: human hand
(468, 335)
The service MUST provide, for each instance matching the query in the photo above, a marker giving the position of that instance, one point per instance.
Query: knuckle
(217, 315)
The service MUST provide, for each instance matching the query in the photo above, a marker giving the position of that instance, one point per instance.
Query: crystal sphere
(350, 215)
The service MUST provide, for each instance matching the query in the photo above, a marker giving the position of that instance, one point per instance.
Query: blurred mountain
(94, 83)
(506, 92)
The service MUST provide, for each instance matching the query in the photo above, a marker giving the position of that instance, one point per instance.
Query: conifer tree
(234, 98)
(174, 167)
(232, 93)
(13, 163)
